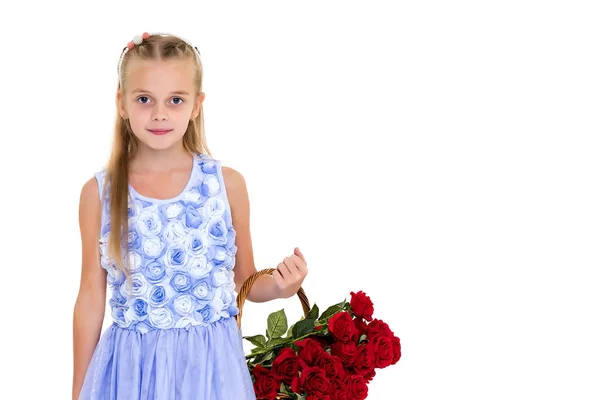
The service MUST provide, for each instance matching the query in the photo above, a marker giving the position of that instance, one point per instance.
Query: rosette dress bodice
(173, 336)
(181, 255)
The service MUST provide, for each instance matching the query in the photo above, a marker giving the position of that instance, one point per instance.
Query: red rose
(265, 385)
(397, 352)
(364, 361)
(323, 341)
(342, 327)
(296, 385)
(384, 351)
(345, 351)
(319, 397)
(338, 390)
(378, 328)
(356, 386)
(309, 350)
(370, 375)
(361, 305)
(361, 326)
(285, 366)
(332, 365)
(355, 335)
(314, 381)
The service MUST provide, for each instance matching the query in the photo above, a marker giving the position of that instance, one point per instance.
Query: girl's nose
(159, 113)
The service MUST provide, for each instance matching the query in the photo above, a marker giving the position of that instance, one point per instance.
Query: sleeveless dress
(173, 335)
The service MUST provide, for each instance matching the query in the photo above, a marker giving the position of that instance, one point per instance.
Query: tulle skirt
(196, 363)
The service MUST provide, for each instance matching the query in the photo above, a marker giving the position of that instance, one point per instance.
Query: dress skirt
(193, 363)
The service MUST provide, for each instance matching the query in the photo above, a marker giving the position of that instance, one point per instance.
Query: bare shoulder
(89, 192)
(237, 196)
(89, 207)
(93, 277)
(234, 180)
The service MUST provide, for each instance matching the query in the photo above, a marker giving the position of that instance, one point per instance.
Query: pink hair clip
(137, 40)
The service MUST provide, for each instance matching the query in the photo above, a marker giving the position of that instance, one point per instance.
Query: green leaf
(313, 313)
(362, 337)
(256, 352)
(334, 309)
(277, 342)
(303, 327)
(289, 332)
(264, 357)
(258, 340)
(268, 356)
(276, 324)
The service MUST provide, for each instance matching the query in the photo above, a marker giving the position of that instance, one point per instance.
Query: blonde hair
(125, 144)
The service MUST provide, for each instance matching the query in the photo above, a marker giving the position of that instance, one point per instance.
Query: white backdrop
(441, 156)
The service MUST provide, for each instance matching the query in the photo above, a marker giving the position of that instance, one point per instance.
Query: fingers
(299, 254)
(293, 266)
(283, 269)
(299, 267)
(278, 278)
(290, 272)
(290, 266)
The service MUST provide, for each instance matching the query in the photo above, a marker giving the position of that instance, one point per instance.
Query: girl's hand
(290, 274)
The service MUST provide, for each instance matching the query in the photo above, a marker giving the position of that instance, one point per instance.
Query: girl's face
(159, 101)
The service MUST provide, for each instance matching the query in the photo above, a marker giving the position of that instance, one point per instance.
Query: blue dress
(173, 335)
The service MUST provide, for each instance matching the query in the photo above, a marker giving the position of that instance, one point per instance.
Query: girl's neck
(157, 161)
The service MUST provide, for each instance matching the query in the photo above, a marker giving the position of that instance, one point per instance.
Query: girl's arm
(288, 275)
(264, 288)
(89, 307)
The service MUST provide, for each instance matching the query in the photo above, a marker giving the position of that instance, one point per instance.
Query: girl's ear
(197, 105)
(119, 101)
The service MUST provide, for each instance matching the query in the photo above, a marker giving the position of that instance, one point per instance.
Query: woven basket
(245, 289)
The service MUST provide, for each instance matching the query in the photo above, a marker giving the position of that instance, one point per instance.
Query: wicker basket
(245, 289)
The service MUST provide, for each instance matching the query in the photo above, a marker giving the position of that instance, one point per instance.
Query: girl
(167, 228)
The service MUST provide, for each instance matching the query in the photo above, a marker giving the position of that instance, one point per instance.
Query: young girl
(167, 228)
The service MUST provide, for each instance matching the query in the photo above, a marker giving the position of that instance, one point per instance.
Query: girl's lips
(159, 132)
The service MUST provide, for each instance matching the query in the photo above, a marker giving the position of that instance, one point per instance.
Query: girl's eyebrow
(175, 92)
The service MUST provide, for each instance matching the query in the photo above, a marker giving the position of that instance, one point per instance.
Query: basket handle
(241, 298)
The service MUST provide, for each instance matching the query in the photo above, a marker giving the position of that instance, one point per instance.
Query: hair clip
(137, 39)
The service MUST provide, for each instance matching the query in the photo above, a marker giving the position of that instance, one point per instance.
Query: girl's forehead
(173, 74)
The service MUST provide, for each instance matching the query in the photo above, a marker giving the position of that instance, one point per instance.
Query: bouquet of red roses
(328, 357)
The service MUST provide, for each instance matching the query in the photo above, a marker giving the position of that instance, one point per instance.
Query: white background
(441, 156)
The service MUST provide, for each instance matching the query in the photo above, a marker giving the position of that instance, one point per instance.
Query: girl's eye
(146, 98)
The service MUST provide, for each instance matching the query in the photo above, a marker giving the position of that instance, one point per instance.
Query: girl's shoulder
(207, 158)
(100, 175)
(211, 163)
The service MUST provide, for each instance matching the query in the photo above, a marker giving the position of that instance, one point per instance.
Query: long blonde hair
(125, 144)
